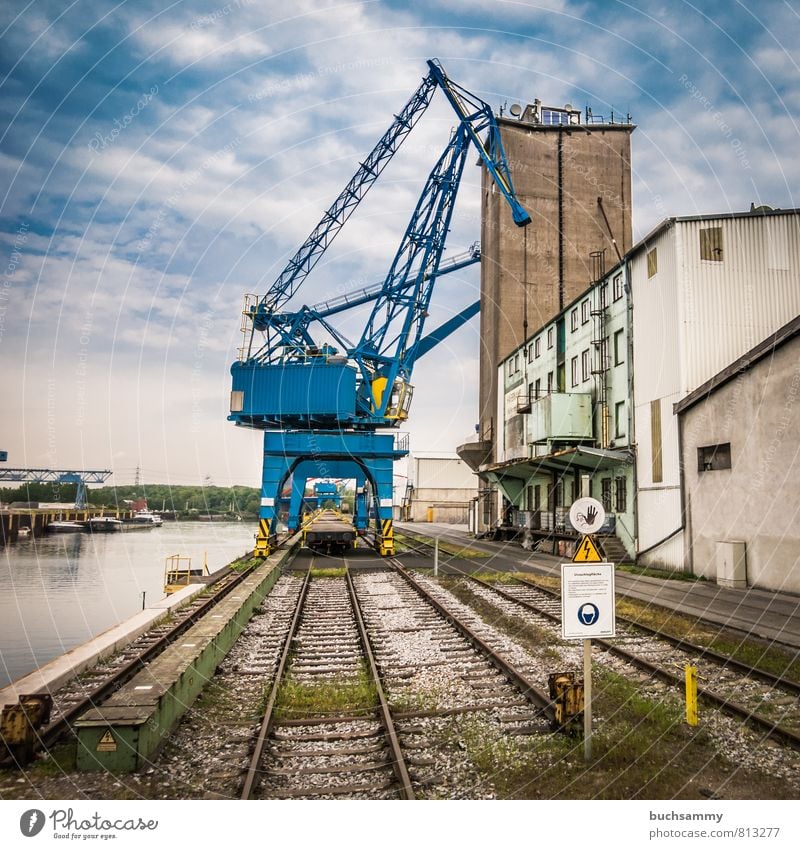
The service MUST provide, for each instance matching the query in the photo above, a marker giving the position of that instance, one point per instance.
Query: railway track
(353, 753)
(768, 702)
(423, 667)
(90, 688)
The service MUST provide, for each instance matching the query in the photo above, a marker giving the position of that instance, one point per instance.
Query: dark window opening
(710, 458)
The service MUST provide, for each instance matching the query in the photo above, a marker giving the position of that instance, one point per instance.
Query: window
(573, 320)
(711, 244)
(711, 458)
(619, 289)
(529, 498)
(605, 494)
(604, 296)
(585, 365)
(574, 365)
(537, 348)
(530, 393)
(537, 497)
(619, 420)
(652, 263)
(655, 440)
(585, 312)
(549, 337)
(549, 382)
(619, 347)
(537, 388)
(620, 495)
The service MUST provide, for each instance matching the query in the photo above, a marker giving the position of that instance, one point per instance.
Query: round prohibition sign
(587, 515)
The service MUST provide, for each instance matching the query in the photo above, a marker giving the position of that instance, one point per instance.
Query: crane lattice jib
(345, 204)
(389, 340)
(476, 116)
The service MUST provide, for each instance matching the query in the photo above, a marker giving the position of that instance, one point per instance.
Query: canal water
(61, 590)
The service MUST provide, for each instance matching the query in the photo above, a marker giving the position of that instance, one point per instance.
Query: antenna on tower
(136, 479)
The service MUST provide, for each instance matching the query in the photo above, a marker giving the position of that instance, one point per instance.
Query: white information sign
(587, 515)
(587, 601)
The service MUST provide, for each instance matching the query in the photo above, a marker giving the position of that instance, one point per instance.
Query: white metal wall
(443, 473)
(729, 307)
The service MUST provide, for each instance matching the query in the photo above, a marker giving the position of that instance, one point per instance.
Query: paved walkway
(762, 613)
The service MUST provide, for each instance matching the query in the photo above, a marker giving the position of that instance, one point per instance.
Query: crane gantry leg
(366, 457)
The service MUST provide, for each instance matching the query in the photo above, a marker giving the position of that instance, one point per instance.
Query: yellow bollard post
(691, 695)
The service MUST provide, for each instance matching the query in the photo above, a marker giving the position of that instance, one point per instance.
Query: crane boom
(320, 238)
(322, 406)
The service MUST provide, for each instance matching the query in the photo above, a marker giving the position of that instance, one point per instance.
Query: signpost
(587, 599)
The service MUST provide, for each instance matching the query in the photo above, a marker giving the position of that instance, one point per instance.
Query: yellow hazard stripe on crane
(387, 529)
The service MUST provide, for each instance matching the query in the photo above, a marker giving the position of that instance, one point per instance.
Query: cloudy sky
(160, 160)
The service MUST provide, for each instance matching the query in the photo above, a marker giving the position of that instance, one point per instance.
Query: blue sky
(158, 161)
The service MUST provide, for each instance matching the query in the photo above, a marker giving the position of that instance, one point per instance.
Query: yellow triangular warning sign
(107, 743)
(587, 551)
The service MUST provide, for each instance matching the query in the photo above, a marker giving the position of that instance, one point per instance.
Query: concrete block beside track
(125, 732)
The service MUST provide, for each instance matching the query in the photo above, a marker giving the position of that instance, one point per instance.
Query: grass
(663, 574)
(335, 698)
(330, 572)
(453, 549)
(769, 658)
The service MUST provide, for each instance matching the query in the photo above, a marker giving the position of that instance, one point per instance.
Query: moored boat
(61, 527)
(103, 525)
(143, 518)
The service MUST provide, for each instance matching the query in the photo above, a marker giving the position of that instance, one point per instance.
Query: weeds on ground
(329, 572)
(331, 698)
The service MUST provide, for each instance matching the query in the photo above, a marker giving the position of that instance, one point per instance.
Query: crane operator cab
(399, 400)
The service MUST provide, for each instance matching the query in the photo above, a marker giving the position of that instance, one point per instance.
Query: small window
(537, 348)
(619, 289)
(652, 263)
(537, 388)
(537, 497)
(516, 363)
(619, 347)
(620, 495)
(549, 382)
(549, 337)
(585, 365)
(710, 458)
(711, 244)
(573, 319)
(574, 371)
(585, 312)
(619, 420)
(604, 296)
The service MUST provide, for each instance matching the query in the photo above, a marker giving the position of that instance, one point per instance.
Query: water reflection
(60, 590)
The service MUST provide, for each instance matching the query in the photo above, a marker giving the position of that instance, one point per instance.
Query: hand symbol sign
(591, 515)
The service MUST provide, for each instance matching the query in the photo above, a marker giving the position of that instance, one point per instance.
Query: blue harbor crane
(329, 410)
(58, 476)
